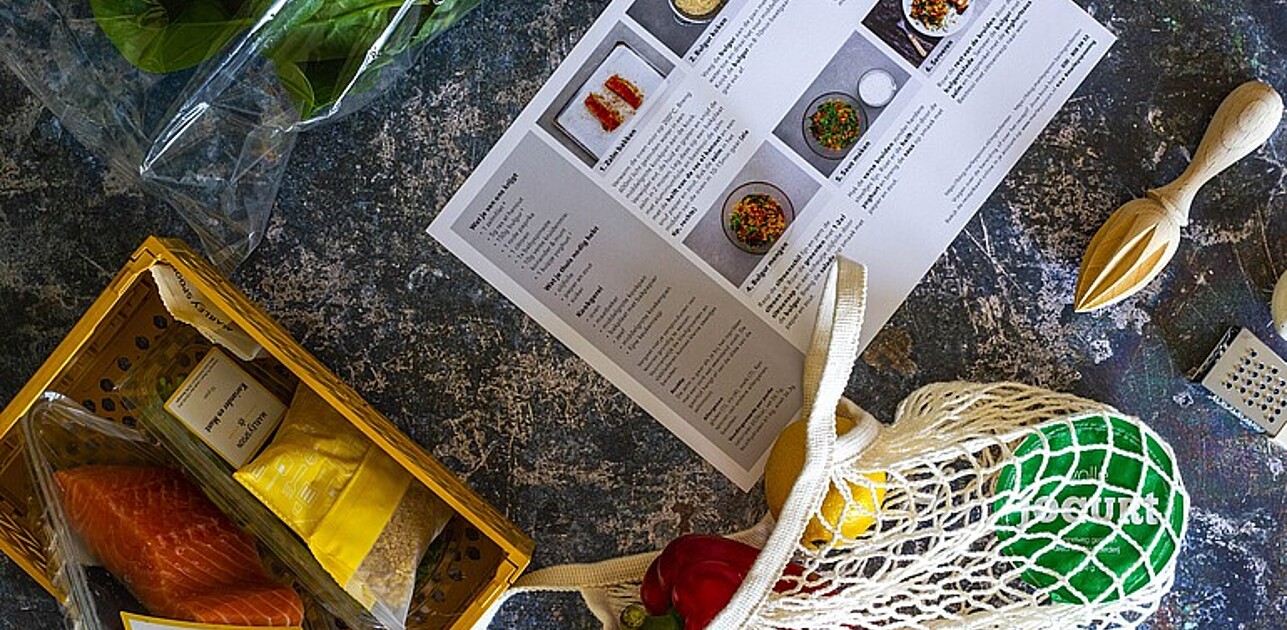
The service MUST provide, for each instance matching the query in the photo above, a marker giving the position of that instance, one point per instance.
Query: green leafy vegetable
(162, 36)
(322, 49)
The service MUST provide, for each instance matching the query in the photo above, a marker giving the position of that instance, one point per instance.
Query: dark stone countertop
(349, 270)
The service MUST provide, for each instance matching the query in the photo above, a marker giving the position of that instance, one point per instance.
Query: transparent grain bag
(200, 101)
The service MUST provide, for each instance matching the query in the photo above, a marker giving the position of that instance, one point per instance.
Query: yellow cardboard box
(115, 332)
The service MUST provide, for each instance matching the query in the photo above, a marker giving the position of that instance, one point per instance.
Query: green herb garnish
(757, 221)
(835, 125)
(319, 47)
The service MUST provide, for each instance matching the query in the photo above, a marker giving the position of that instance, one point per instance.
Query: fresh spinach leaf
(162, 36)
(333, 46)
(322, 49)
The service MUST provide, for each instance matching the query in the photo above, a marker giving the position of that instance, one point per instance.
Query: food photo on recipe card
(670, 201)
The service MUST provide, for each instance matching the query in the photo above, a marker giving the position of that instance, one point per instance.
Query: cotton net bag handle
(832, 353)
(609, 585)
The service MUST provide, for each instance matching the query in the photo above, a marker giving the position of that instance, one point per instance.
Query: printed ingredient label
(227, 408)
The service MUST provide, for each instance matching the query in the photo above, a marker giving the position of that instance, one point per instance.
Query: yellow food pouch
(364, 518)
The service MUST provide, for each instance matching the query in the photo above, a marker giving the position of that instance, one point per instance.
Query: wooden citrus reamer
(1141, 237)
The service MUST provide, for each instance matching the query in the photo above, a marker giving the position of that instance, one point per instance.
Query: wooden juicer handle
(1244, 121)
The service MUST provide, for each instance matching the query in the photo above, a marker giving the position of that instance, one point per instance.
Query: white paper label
(227, 408)
(139, 622)
(190, 306)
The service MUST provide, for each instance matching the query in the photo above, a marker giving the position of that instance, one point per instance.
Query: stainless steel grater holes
(1246, 377)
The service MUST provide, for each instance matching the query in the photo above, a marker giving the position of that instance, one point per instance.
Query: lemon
(849, 519)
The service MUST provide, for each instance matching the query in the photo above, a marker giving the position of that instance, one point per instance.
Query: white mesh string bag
(1004, 506)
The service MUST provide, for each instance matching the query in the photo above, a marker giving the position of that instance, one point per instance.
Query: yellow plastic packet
(361, 514)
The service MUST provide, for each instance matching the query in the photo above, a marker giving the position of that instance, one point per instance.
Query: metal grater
(1247, 378)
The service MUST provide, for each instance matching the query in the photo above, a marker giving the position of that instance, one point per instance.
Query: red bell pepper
(698, 575)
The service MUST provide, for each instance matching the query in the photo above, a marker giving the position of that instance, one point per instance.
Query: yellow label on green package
(227, 408)
(140, 622)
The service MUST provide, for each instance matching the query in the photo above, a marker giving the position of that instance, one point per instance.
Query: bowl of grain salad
(755, 216)
(833, 123)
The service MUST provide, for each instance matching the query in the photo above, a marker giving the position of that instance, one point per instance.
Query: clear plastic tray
(61, 435)
(148, 384)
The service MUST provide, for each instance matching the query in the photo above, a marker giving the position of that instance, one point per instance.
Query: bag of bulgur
(363, 516)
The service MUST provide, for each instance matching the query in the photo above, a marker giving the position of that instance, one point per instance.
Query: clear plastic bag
(200, 101)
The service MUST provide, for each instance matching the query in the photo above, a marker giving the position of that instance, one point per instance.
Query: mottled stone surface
(348, 269)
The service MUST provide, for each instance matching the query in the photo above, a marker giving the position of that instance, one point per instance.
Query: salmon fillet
(624, 88)
(609, 118)
(172, 548)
